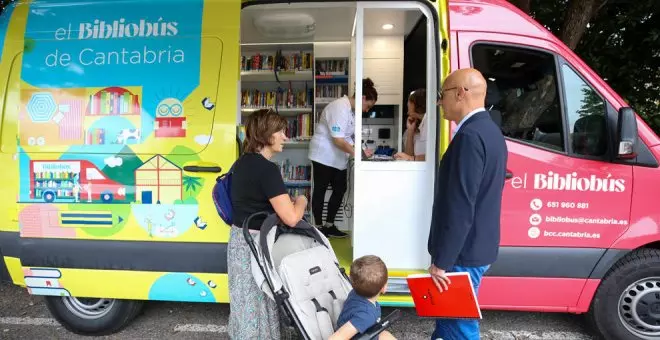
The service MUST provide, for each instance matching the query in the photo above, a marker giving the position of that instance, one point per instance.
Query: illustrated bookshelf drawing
(297, 80)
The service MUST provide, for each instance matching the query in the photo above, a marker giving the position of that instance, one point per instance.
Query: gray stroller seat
(297, 268)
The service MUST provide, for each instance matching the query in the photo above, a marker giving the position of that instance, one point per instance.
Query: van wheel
(91, 316)
(49, 196)
(106, 197)
(627, 303)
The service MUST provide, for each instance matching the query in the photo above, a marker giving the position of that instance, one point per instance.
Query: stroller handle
(246, 223)
(272, 221)
(374, 331)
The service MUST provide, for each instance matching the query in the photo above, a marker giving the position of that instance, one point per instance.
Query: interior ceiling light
(285, 25)
(388, 26)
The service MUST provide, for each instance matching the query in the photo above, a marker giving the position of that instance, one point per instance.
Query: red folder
(457, 302)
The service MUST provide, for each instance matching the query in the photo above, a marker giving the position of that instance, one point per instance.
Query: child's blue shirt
(361, 312)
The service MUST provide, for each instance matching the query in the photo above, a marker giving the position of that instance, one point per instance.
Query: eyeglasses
(441, 92)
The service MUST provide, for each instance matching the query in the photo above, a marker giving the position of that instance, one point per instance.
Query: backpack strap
(231, 170)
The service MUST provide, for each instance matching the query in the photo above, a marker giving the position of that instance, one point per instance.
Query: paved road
(25, 317)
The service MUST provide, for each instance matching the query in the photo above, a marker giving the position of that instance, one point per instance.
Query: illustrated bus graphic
(77, 181)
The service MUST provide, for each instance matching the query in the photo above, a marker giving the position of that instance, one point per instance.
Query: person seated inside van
(414, 144)
(361, 310)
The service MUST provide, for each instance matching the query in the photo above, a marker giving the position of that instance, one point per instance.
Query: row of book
(295, 173)
(253, 98)
(53, 184)
(60, 193)
(300, 127)
(331, 91)
(95, 136)
(333, 66)
(46, 175)
(301, 61)
(113, 103)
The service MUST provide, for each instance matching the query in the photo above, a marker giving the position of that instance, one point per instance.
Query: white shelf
(324, 100)
(297, 183)
(268, 75)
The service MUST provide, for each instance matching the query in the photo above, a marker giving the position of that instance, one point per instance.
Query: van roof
(498, 16)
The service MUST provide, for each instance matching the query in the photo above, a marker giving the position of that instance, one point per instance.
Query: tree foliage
(619, 39)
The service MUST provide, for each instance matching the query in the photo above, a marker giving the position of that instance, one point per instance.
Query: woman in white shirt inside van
(329, 150)
(415, 135)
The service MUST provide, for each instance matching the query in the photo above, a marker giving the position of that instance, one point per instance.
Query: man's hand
(439, 278)
(368, 152)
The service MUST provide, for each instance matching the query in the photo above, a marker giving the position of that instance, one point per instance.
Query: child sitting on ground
(361, 310)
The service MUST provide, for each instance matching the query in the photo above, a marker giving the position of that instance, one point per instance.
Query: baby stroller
(298, 269)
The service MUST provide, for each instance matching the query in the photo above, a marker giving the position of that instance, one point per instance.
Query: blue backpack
(222, 196)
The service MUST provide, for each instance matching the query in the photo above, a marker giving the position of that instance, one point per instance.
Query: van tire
(106, 197)
(116, 315)
(616, 306)
(49, 196)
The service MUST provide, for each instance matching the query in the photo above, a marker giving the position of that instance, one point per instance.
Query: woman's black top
(254, 182)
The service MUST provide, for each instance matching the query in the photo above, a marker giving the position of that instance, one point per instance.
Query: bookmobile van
(117, 119)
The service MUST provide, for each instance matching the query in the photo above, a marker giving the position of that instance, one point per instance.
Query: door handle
(202, 167)
(509, 174)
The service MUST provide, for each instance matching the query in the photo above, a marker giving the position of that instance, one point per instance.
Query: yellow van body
(106, 115)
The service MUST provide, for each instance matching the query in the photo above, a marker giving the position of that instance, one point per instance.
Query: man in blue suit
(465, 225)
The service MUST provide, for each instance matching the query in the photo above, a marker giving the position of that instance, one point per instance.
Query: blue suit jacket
(465, 225)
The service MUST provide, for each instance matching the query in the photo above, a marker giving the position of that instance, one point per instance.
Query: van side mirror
(626, 133)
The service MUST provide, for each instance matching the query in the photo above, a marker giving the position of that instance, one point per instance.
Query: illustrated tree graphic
(191, 183)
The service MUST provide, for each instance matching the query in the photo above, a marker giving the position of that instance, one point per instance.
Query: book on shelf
(295, 173)
(118, 102)
(287, 62)
(95, 136)
(332, 67)
(300, 128)
(289, 98)
(331, 91)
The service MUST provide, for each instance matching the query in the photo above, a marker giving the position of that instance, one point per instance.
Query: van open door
(394, 198)
(402, 47)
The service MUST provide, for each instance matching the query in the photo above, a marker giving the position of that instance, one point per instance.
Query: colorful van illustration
(80, 116)
(139, 105)
(72, 181)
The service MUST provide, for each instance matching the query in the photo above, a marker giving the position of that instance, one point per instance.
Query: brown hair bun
(368, 90)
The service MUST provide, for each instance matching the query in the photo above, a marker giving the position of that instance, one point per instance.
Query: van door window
(522, 93)
(585, 112)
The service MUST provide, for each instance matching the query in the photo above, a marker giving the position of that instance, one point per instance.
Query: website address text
(570, 234)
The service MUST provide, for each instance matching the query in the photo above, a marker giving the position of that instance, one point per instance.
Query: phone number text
(567, 205)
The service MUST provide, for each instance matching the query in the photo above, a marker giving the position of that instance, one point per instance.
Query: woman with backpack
(256, 186)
